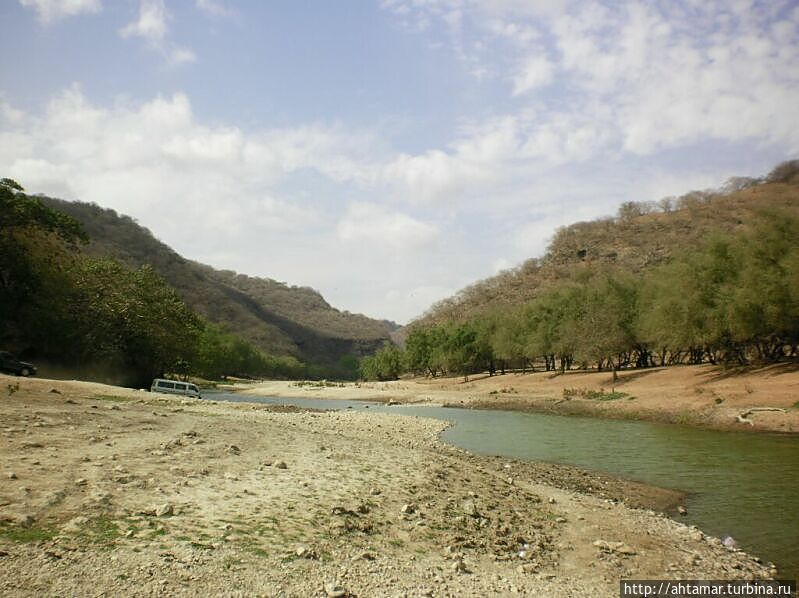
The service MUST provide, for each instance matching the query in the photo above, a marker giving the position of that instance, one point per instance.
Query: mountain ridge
(277, 318)
(642, 235)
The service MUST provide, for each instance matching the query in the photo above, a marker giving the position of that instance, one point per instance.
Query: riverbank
(753, 400)
(108, 490)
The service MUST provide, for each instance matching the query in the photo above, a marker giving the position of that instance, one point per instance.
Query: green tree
(385, 364)
(606, 315)
(134, 317)
(34, 241)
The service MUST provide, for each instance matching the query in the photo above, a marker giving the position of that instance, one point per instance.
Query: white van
(174, 387)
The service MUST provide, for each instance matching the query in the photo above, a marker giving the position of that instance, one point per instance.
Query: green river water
(739, 484)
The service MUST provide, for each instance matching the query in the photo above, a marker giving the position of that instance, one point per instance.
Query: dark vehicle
(12, 365)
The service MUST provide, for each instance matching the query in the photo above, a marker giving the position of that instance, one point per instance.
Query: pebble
(470, 509)
(617, 547)
(334, 590)
(458, 566)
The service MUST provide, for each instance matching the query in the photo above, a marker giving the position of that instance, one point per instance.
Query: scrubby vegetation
(272, 316)
(97, 316)
(731, 297)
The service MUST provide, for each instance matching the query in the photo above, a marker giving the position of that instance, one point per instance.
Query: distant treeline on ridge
(92, 315)
(712, 277)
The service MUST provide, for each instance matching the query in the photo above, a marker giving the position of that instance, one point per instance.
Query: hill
(277, 318)
(641, 237)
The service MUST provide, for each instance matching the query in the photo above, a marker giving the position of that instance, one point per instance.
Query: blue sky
(388, 153)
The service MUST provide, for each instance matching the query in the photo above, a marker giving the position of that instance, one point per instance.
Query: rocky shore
(107, 491)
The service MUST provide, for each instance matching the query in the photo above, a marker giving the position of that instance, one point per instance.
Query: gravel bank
(109, 491)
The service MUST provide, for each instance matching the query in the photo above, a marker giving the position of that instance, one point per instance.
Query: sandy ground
(107, 491)
(703, 396)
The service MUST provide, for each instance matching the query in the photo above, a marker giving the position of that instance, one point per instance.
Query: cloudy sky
(388, 152)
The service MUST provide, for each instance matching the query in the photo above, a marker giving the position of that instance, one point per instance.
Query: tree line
(97, 315)
(734, 301)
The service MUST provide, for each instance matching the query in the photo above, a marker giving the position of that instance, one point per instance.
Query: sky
(389, 152)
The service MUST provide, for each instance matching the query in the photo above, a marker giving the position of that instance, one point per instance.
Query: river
(739, 484)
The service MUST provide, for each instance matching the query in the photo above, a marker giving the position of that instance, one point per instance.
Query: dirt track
(107, 491)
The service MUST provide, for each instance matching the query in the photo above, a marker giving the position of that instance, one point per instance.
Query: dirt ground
(758, 400)
(108, 491)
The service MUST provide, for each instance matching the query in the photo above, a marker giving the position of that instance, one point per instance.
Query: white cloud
(152, 27)
(381, 228)
(151, 24)
(154, 161)
(52, 10)
(178, 56)
(216, 9)
(632, 77)
(536, 72)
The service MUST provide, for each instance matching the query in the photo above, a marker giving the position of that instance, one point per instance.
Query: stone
(408, 509)
(233, 449)
(729, 542)
(76, 524)
(458, 566)
(164, 510)
(81, 482)
(12, 475)
(281, 465)
(25, 520)
(470, 509)
(616, 547)
(364, 556)
(334, 590)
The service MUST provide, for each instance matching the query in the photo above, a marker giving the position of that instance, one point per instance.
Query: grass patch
(102, 531)
(24, 535)
(257, 551)
(111, 398)
(157, 532)
(318, 384)
(594, 395)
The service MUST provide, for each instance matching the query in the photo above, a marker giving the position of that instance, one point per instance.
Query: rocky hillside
(641, 236)
(278, 318)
